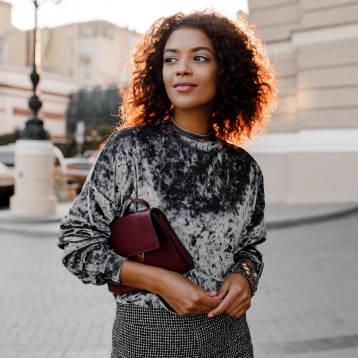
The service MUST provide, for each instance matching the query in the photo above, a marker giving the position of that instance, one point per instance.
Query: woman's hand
(185, 296)
(234, 295)
(180, 293)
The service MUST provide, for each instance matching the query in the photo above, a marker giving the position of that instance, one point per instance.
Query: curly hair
(247, 84)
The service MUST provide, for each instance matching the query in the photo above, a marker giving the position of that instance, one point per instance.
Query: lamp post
(34, 126)
(34, 154)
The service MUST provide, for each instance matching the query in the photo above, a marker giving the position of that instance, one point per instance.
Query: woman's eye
(170, 59)
(200, 58)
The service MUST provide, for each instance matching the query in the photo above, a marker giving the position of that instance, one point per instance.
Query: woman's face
(190, 70)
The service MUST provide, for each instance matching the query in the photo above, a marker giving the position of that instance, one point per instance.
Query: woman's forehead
(188, 37)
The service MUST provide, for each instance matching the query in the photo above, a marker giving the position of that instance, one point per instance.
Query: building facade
(310, 153)
(95, 51)
(16, 89)
(73, 57)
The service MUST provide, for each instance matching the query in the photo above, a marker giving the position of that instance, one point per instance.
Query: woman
(198, 82)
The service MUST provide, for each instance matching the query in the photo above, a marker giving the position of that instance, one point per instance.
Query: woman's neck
(193, 122)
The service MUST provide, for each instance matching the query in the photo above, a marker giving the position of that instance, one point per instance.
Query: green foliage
(9, 138)
(93, 107)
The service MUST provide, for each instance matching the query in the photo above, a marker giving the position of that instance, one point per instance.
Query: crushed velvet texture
(211, 192)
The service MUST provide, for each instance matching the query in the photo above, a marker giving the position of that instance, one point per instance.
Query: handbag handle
(136, 201)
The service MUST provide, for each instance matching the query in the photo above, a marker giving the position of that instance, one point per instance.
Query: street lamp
(34, 154)
(34, 126)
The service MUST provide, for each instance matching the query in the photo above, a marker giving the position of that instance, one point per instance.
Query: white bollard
(34, 193)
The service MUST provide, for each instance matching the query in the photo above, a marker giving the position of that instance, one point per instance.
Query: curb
(34, 226)
(31, 231)
(323, 215)
(279, 217)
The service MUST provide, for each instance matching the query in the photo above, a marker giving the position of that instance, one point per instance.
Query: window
(3, 50)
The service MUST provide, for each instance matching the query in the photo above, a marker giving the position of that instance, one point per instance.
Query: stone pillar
(34, 190)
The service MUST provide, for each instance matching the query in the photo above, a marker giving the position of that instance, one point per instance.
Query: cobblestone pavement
(306, 305)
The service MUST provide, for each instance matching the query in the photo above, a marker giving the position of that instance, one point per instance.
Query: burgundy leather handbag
(146, 236)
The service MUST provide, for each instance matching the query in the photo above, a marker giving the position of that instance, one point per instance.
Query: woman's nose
(183, 69)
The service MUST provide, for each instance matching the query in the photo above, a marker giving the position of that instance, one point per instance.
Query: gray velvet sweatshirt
(211, 192)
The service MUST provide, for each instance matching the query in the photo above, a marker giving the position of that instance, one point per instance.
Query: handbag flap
(181, 259)
(133, 234)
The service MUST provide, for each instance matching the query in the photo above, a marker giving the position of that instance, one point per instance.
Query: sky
(136, 15)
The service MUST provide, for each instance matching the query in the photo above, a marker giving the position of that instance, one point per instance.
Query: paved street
(306, 306)
(307, 303)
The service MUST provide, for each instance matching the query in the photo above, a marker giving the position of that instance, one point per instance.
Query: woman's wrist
(144, 277)
(248, 271)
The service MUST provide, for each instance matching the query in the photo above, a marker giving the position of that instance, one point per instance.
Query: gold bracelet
(249, 273)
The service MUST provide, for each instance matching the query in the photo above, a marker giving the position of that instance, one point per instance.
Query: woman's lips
(184, 86)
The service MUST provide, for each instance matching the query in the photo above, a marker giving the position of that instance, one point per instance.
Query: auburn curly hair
(247, 83)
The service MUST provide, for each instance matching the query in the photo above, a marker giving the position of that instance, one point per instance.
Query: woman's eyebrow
(195, 49)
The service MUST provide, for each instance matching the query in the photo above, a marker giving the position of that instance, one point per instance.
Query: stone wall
(313, 141)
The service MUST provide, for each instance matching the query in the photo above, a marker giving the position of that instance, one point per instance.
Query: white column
(34, 192)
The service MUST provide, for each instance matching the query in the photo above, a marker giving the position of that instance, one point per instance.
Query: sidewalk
(306, 305)
(277, 216)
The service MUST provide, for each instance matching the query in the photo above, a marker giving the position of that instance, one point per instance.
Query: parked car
(77, 170)
(6, 184)
(7, 155)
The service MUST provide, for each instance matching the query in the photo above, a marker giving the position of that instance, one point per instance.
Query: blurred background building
(74, 57)
(311, 151)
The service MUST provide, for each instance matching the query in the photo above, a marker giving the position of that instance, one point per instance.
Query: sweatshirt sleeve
(85, 230)
(255, 232)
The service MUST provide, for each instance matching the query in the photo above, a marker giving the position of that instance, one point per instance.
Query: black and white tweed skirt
(157, 333)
